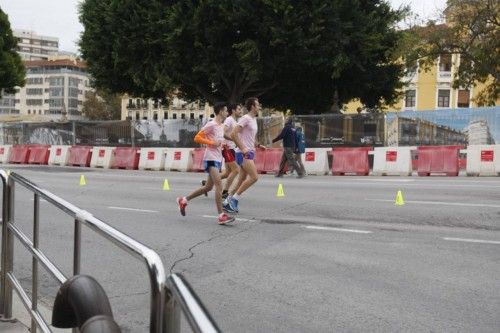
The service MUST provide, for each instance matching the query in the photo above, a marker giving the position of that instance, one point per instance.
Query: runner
(232, 168)
(243, 136)
(212, 134)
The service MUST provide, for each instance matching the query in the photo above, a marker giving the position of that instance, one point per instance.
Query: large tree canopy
(472, 30)
(291, 53)
(102, 105)
(12, 71)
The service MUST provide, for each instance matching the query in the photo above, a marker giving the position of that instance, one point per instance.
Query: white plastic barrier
(392, 161)
(5, 153)
(315, 161)
(102, 157)
(59, 155)
(483, 160)
(152, 158)
(178, 159)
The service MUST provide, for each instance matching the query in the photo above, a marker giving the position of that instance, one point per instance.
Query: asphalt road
(333, 255)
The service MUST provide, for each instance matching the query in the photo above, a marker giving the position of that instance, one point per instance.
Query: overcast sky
(59, 18)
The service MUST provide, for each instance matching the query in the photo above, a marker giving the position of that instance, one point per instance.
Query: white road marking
(41, 200)
(134, 209)
(237, 219)
(338, 229)
(440, 203)
(471, 240)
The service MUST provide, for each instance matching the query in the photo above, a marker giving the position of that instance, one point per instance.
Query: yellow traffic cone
(82, 180)
(280, 192)
(166, 187)
(399, 199)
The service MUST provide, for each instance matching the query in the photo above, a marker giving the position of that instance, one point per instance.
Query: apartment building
(32, 46)
(149, 109)
(55, 90)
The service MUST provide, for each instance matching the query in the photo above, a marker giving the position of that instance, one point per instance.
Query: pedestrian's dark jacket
(287, 135)
(300, 142)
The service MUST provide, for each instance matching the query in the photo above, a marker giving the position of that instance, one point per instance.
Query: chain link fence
(440, 127)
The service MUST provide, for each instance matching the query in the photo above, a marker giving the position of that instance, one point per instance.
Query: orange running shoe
(224, 218)
(182, 202)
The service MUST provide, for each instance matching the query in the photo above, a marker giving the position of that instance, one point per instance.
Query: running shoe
(225, 194)
(224, 218)
(182, 202)
(233, 203)
(226, 207)
(203, 182)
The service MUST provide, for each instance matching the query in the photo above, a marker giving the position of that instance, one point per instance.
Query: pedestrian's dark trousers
(288, 157)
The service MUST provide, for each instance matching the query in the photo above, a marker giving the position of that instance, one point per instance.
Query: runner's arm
(235, 136)
(201, 138)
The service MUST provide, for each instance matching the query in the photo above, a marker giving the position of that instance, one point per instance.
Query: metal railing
(168, 294)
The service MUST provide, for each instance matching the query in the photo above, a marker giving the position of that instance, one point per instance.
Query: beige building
(55, 90)
(138, 108)
(31, 46)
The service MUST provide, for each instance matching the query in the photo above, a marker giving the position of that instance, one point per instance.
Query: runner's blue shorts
(208, 164)
(248, 156)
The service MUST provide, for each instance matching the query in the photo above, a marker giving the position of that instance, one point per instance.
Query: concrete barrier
(102, 157)
(5, 153)
(483, 160)
(152, 159)
(392, 161)
(179, 159)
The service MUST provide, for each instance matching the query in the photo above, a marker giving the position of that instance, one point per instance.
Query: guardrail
(168, 295)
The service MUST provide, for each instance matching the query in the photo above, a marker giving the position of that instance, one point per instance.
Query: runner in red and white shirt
(212, 135)
(228, 152)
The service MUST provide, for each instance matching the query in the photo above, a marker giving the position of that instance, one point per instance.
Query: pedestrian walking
(243, 136)
(212, 135)
(287, 135)
(228, 152)
(300, 149)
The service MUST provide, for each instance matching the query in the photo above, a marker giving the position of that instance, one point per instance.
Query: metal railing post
(36, 233)
(172, 316)
(7, 246)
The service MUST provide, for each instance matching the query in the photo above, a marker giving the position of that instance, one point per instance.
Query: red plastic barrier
(197, 155)
(19, 154)
(438, 159)
(79, 155)
(272, 160)
(126, 158)
(260, 159)
(39, 154)
(350, 160)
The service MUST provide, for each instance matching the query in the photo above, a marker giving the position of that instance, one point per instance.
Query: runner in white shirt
(228, 152)
(212, 134)
(244, 137)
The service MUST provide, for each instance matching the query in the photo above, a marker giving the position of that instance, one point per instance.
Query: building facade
(55, 90)
(31, 46)
(148, 109)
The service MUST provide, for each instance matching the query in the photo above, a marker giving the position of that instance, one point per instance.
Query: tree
(290, 53)
(473, 32)
(102, 105)
(12, 71)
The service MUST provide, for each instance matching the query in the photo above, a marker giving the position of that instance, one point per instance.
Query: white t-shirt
(214, 132)
(230, 123)
(248, 126)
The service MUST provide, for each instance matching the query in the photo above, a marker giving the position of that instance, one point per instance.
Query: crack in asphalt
(216, 234)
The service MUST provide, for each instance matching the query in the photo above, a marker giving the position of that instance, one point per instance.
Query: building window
(29, 112)
(174, 116)
(155, 116)
(201, 117)
(191, 115)
(410, 98)
(443, 98)
(463, 99)
(137, 116)
(165, 115)
(445, 63)
(183, 116)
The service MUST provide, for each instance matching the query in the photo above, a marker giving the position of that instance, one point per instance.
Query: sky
(59, 18)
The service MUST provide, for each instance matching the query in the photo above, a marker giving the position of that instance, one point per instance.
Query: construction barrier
(39, 154)
(152, 159)
(102, 157)
(315, 161)
(438, 159)
(272, 160)
(392, 161)
(126, 158)
(19, 154)
(350, 161)
(260, 159)
(5, 153)
(483, 160)
(59, 155)
(79, 155)
(178, 159)
(197, 157)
